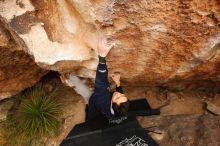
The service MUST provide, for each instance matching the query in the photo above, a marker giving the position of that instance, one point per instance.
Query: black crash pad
(141, 107)
(129, 133)
(100, 133)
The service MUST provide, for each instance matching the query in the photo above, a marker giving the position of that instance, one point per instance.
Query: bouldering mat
(129, 133)
(99, 132)
(141, 107)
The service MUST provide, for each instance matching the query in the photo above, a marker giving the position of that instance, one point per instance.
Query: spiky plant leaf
(38, 113)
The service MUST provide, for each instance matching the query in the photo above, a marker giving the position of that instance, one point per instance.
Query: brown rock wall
(161, 42)
(184, 130)
(157, 43)
(17, 68)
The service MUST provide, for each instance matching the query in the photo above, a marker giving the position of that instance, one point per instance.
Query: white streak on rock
(80, 87)
(49, 52)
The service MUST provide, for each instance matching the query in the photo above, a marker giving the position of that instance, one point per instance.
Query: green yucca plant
(38, 114)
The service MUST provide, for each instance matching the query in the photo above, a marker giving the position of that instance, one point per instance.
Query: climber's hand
(116, 78)
(104, 46)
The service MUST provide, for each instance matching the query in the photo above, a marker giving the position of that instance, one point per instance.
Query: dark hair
(122, 109)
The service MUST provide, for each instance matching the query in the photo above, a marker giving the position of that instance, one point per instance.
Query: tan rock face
(5, 106)
(183, 130)
(17, 69)
(156, 42)
(162, 42)
(173, 102)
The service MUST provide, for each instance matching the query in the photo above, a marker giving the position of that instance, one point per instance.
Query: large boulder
(17, 69)
(183, 130)
(156, 42)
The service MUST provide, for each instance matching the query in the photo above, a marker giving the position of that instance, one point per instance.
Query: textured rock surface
(214, 106)
(5, 106)
(73, 111)
(184, 130)
(156, 42)
(177, 103)
(17, 69)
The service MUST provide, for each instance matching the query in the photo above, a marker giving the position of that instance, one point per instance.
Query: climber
(113, 107)
(101, 103)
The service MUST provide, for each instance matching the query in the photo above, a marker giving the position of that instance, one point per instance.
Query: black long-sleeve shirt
(100, 101)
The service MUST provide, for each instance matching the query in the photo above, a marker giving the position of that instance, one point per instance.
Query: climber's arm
(101, 80)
